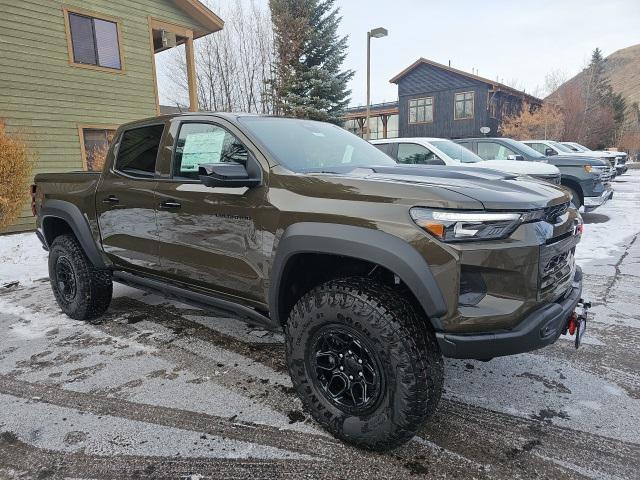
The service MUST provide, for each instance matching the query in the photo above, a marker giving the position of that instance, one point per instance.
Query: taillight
(33, 200)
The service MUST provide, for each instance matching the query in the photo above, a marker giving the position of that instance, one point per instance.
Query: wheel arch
(60, 217)
(378, 248)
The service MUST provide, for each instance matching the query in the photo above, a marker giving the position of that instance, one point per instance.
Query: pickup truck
(586, 179)
(441, 151)
(620, 157)
(550, 148)
(374, 270)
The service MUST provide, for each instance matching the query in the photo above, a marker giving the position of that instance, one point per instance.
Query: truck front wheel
(82, 291)
(364, 362)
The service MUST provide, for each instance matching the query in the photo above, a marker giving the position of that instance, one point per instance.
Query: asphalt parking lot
(157, 389)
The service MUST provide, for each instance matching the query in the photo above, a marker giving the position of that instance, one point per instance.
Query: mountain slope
(622, 68)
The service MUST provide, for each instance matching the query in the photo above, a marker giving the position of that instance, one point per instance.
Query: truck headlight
(463, 226)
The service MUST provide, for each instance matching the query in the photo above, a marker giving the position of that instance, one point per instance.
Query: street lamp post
(375, 33)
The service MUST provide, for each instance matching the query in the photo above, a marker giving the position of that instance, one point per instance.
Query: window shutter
(107, 41)
(82, 39)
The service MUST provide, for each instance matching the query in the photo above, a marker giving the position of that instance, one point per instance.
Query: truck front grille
(551, 214)
(605, 176)
(556, 272)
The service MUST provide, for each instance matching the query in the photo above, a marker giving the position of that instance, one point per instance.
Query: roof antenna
(449, 63)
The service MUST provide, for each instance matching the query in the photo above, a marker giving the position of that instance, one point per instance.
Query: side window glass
(204, 143)
(384, 147)
(411, 153)
(138, 150)
(488, 150)
(538, 147)
(493, 151)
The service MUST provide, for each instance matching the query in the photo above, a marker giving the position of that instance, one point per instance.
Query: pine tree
(310, 82)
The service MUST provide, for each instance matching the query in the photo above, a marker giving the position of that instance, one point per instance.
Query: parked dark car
(586, 178)
(373, 270)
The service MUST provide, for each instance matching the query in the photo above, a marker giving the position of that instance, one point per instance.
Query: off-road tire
(93, 286)
(399, 335)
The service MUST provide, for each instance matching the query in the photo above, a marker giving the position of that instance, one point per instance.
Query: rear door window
(494, 151)
(138, 151)
(412, 153)
(205, 143)
(538, 147)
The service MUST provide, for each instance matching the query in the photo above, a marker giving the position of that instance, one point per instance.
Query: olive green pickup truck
(374, 270)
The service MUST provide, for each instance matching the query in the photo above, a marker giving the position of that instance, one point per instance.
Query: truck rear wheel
(364, 362)
(82, 291)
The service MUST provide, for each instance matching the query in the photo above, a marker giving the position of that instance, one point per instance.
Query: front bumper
(591, 203)
(540, 328)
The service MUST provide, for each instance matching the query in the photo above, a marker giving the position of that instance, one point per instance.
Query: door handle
(112, 199)
(170, 204)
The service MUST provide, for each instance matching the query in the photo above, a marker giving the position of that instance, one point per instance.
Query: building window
(95, 145)
(93, 42)
(421, 110)
(463, 106)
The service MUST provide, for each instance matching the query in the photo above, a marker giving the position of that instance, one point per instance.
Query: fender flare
(72, 215)
(386, 250)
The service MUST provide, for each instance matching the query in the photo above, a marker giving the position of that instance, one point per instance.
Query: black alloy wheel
(346, 370)
(65, 279)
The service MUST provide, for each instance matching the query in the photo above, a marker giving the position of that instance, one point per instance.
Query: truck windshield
(455, 151)
(309, 146)
(562, 148)
(524, 150)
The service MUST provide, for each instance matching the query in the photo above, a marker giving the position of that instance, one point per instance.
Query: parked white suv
(550, 148)
(621, 157)
(440, 151)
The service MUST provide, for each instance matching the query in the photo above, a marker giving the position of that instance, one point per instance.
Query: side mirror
(515, 157)
(550, 152)
(231, 174)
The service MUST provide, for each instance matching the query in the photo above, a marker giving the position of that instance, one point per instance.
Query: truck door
(210, 237)
(125, 200)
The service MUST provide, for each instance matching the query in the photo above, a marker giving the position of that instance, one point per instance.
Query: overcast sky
(517, 41)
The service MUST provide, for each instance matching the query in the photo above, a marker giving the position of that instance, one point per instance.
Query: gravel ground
(157, 389)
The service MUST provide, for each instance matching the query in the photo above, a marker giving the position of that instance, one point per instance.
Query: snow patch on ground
(609, 228)
(22, 259)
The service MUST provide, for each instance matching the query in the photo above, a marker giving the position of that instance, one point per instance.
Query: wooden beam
(191, 75)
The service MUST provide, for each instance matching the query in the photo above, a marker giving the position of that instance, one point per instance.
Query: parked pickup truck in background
(586, 178)
(620, 157)
(440, 151)
(373, 270)
(550, 148)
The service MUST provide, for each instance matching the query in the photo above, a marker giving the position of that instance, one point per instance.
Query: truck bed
(78, 188)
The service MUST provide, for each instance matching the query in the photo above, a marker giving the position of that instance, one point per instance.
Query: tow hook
(577, 322)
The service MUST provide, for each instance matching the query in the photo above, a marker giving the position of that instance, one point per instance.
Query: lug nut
(360, 373)
(360, 361)
(350, 352)
(340, 355)
(341, 368)
(350, 377)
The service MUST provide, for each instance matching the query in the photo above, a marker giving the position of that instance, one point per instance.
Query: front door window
(494, 151)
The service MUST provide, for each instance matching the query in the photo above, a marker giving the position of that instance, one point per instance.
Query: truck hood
(485, 188)
(519, 167)
(568, 160)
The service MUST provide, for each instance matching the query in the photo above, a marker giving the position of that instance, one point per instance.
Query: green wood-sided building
(71, 72)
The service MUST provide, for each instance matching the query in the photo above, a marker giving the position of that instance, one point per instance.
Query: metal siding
(443, 124)
(429, 81)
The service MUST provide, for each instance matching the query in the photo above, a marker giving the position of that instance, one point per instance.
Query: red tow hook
(577, 322)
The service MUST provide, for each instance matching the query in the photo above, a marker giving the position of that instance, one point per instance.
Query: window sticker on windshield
(318, 134)
(348, 153)
(205, 147)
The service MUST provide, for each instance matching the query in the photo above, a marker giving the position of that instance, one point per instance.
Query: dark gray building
(435, 100)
